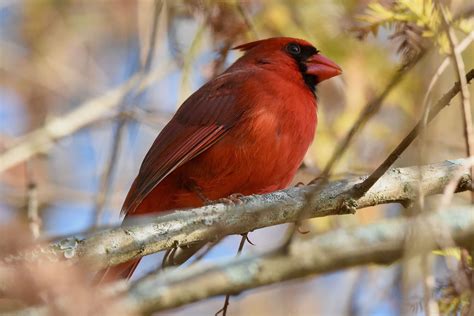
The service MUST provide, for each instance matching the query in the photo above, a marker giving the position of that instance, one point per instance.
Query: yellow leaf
(448, 252)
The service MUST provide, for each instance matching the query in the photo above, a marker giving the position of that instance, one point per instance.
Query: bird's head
(296, 53)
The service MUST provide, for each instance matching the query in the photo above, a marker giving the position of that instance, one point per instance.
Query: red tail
(120, 271)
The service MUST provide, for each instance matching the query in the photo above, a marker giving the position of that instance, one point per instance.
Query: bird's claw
(300, 228)
(299, 184)
(233, 199)
(248, 240)
(302, 231)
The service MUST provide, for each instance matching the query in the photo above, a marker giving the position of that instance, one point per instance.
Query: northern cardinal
(245, 131)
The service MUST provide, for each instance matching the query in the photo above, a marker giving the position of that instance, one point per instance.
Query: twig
(430, 307)
(429, 304)
(43, 138)
(219, 62)
(427, 105)
(200, 255)
(187, 62)
(106, 180)
(154, 234)
(465, 96)
(360, 190)
(151, 118)
(223, 310)
(442, 67)
(450, 188)
(247, 20)
(32, 202)
(369, 110)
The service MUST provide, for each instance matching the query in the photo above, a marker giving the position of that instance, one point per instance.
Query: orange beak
(322, 67)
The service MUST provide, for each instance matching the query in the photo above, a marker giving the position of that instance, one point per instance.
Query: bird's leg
(192, 186)
(233, 199)
(223, 310)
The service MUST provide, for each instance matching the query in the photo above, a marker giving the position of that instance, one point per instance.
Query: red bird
(245, 131)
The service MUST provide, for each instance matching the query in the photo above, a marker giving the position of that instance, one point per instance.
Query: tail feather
(126, 269)
(120, 271)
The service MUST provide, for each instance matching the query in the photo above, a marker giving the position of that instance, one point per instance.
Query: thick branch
(211, 222)
(382, 242)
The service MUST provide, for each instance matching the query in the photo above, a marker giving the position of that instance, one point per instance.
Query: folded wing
(203, 119)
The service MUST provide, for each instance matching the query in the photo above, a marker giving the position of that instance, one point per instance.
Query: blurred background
(56, 56)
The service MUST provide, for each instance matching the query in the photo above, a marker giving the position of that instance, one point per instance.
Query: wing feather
(203, 119)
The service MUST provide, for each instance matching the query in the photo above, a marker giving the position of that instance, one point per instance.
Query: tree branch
(43, 138)
(106, 181)
(383, 242)
(382, 168)
(465, 95)
(113, 246)
(368, 112)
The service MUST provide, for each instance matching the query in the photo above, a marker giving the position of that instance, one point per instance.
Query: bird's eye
(293, 49)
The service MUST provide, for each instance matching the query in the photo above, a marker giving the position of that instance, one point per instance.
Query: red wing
(203, 119)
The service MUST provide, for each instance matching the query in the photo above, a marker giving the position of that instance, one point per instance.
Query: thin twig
(443, 66)
(32, 203)
(150, 118)
(187, 62)
(219, 62)
(107, 178)
(86, 113)
(450, 188)
(199, 256)
(427, 105)
(465, 96)
(430, 307)
(361, 189)
(369, 111)
(223, 310)
(429, 304)
(247, 20)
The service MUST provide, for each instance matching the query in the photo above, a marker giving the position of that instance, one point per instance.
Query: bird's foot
(233, 199)
(299, 184)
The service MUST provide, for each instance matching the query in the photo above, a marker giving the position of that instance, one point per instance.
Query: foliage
(417, 23)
